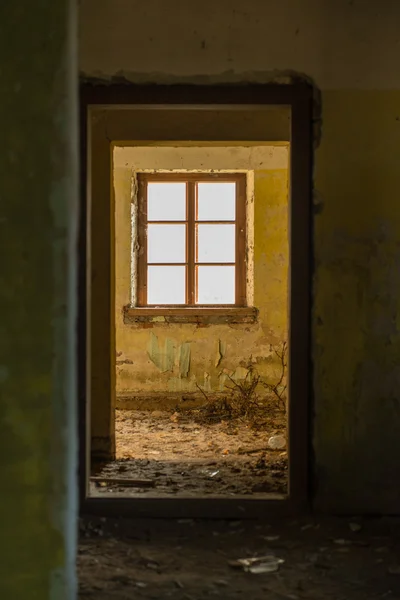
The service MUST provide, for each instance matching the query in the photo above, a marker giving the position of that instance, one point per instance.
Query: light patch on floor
(179, 455)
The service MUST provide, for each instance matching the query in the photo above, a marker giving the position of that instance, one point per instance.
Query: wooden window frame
(190, 311)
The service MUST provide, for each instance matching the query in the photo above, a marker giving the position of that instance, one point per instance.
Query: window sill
(198, 315)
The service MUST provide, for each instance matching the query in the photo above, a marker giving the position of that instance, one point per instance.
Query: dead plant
(243, 402)
(214, 410)
(244, 398)
(278, 389)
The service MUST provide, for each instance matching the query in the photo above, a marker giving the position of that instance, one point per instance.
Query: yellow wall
(170, 359)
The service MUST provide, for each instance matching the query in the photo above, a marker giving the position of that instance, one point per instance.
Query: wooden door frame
(299, 98)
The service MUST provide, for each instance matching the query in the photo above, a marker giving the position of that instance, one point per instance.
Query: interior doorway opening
(190, 372)
(201, 270)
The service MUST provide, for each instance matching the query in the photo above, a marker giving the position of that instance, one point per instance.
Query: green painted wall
(37, 305)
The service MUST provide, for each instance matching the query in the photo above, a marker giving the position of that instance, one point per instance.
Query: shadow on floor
(336, 559)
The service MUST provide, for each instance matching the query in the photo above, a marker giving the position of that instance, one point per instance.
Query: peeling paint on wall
(184, 359)
(221, 350)
(207, 382)
(164, 358)
(240, 373)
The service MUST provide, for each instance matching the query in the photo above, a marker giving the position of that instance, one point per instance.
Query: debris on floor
(191, 455)
(277, 442)
(188, 559)
(258, 565)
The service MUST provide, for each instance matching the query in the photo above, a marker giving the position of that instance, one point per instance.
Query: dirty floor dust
(328, 559)
(182, 456)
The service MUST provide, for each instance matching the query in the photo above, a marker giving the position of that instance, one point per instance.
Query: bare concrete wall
(349, 50)
(341, 44)
(38, 214)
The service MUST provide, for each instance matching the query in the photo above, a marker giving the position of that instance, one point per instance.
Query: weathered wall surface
(341, 44)
(174, 358)
(357, 301)
(349, 49)
(38, 218)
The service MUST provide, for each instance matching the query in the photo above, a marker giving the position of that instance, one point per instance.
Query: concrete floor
(335, 559)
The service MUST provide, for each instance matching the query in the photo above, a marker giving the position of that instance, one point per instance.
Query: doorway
(181, 398)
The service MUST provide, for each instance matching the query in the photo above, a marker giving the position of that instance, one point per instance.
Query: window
(192, 240)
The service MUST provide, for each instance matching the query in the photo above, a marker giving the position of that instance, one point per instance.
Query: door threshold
(192, 508)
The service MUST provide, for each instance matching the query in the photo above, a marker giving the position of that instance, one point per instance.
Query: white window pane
(166, 243)
(215, 285)
(215, 243)
(166, 201)
(166, 285)
(216, 201)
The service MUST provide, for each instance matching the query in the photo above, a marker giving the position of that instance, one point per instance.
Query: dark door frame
(299, 98)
